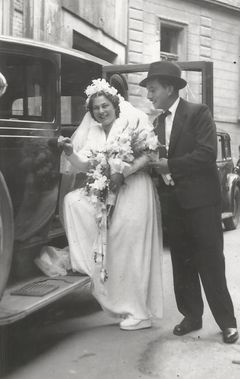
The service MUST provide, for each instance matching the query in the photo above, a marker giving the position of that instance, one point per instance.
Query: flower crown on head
(99, 85)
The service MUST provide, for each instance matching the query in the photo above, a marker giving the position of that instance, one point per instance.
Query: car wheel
(231, 223)
(6, 234)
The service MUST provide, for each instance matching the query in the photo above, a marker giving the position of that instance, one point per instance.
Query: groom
(189, 189)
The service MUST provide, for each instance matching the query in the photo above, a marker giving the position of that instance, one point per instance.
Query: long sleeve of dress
(79, 161)
(138, 164)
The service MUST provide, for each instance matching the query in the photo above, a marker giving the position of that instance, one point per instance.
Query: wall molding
(216, 3)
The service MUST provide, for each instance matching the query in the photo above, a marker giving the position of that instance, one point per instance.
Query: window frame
(53, 58)
(182, 40)
(204, 67)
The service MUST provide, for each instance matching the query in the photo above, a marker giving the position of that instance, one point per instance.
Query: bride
(130, 253)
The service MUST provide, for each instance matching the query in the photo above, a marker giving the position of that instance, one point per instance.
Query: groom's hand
(116, 180)
(161, 166)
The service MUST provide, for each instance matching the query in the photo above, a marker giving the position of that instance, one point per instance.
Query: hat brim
(178, 82)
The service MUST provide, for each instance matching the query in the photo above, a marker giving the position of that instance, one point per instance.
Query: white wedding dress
(134, 240)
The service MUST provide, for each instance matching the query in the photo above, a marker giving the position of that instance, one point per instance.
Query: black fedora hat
(165, 70)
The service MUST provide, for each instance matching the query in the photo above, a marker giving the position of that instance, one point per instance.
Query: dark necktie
(159, 128)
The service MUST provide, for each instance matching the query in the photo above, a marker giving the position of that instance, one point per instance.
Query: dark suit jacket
(192, 156)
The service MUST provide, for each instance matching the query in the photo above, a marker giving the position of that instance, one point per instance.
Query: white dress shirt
(169, 122)
(168, 129)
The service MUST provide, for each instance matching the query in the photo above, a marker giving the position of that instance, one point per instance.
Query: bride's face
(104, 111)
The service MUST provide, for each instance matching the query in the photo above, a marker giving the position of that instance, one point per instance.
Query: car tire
(6, 234)
(231, 223)
(4, 350)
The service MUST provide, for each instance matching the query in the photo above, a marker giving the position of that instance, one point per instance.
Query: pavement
(75, 339)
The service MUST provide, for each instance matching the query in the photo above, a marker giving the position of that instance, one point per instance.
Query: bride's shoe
(131, 323)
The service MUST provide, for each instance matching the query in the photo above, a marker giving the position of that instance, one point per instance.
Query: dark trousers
(196, 245)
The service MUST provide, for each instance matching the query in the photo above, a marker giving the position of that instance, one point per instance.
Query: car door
(76, 74)
(29, 119)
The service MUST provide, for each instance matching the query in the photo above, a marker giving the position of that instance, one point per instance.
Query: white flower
(116, 165)
(97, 173)
(124, 138)
(99, 85)
(100, 183)
(113, 147)
(94, 199)
(152, 142)
(143, 134)
(101, 158)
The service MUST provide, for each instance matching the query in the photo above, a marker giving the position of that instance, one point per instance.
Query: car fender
(233, 180)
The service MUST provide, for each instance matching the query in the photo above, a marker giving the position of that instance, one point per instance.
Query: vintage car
(43, 98)
(42, 90)
(230, 182)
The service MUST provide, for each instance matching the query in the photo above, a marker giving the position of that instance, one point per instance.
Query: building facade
(143, 31)
(96, 27)
(192, 30)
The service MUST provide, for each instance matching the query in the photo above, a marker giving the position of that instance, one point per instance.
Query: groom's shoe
(187, 325)
(230, 335)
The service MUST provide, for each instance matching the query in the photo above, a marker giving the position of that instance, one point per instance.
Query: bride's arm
(79, 160)
(146, 133)
(123, 170)
(138, 164)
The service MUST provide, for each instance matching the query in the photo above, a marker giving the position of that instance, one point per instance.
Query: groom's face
(159, 94)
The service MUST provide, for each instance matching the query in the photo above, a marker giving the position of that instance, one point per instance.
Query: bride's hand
(66, 145)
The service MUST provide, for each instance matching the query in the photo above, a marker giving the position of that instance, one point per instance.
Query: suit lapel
(177, 127)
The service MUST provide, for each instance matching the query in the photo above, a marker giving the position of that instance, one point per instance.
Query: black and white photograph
(119, 189)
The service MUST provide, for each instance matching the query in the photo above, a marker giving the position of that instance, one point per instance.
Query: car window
(72, 110)
(31, 88)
